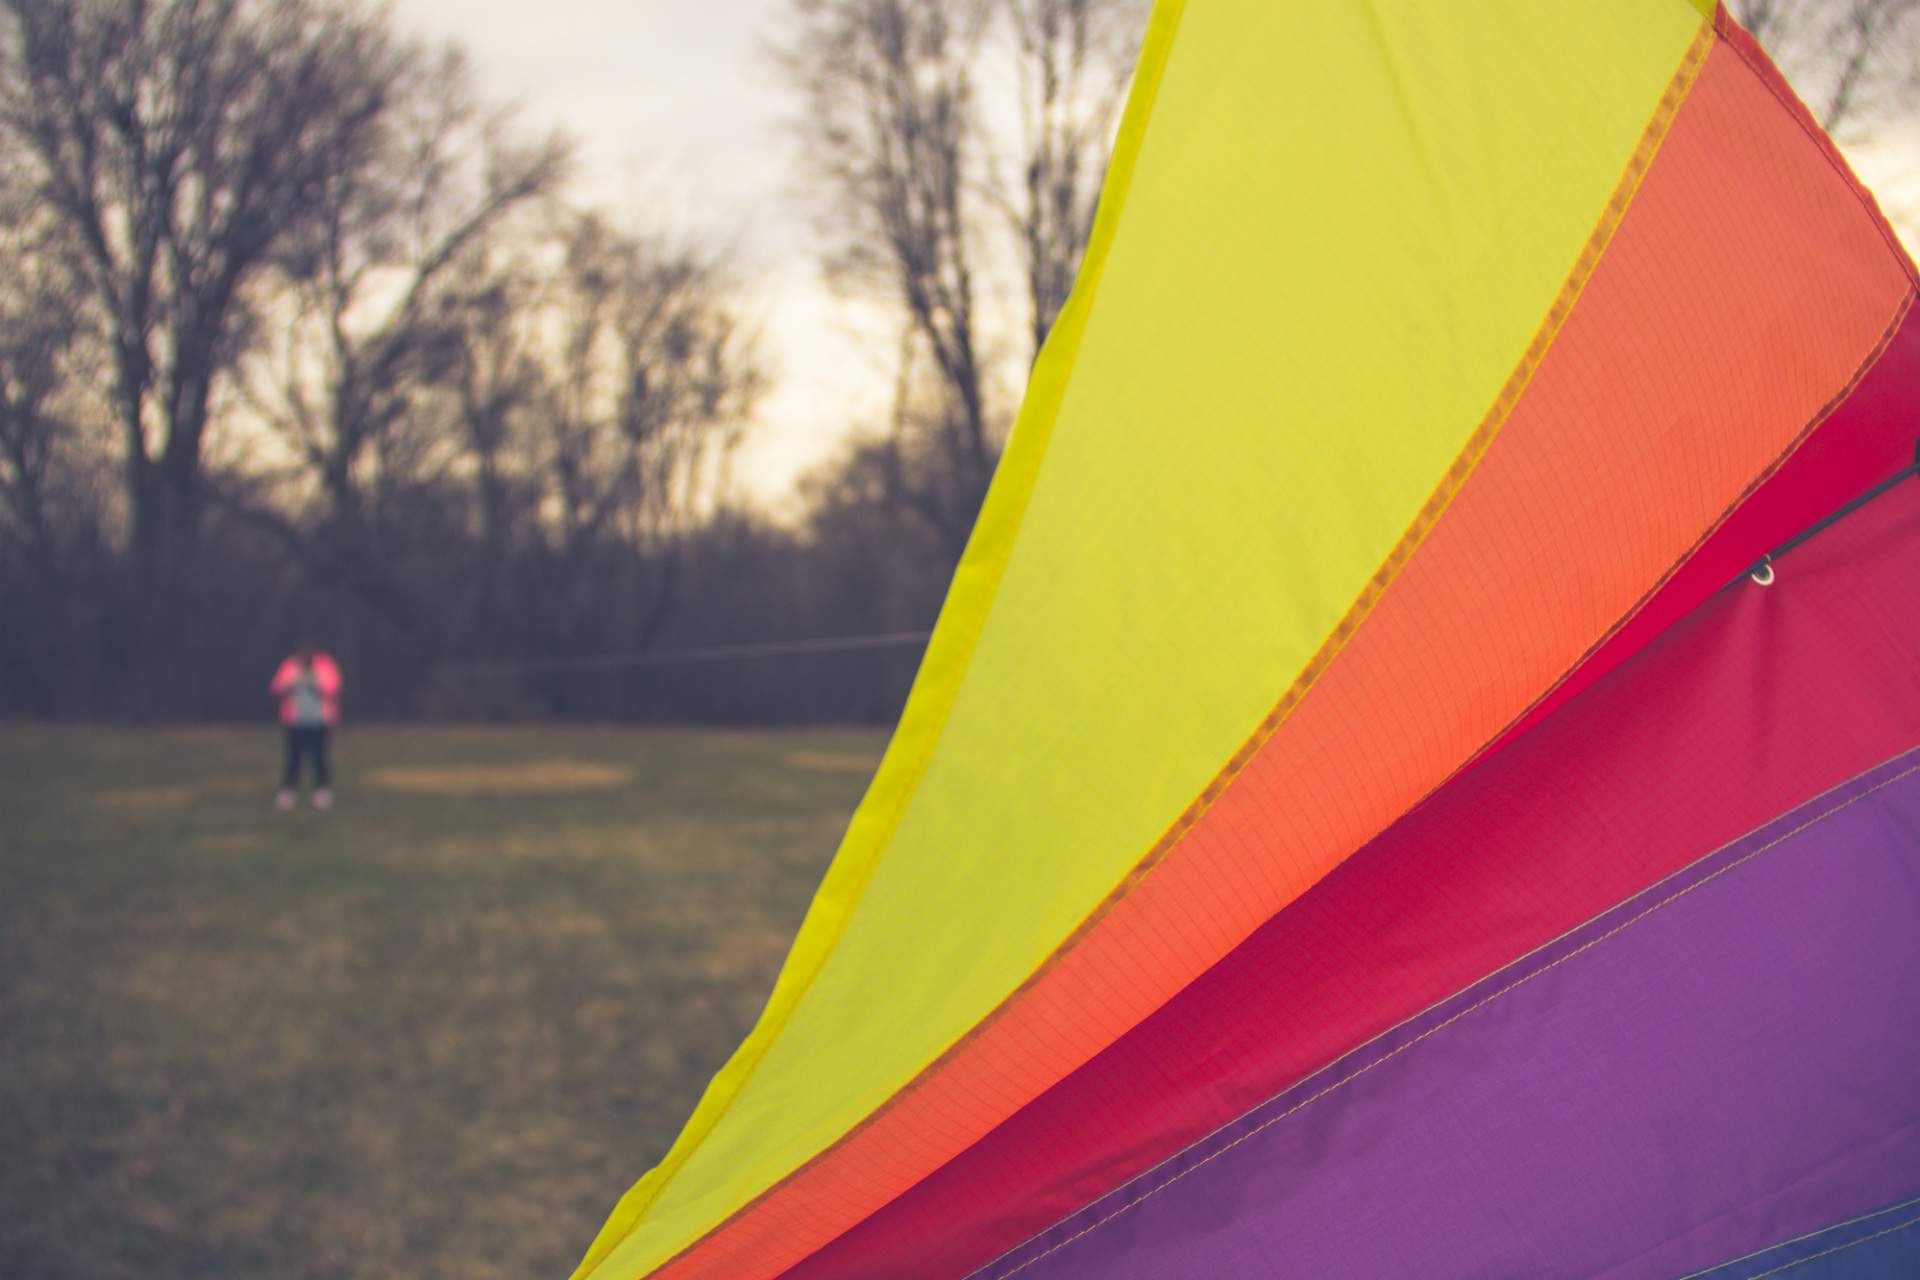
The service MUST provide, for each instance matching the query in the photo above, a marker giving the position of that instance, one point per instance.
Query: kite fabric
(1760, 701)
(1336, 818)
(1720, 1060)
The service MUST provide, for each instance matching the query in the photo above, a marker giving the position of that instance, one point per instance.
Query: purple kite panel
(1727, 1060)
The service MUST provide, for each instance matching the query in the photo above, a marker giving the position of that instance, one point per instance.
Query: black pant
(306, 742)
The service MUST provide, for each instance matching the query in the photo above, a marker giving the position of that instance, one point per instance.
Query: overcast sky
(681, 129)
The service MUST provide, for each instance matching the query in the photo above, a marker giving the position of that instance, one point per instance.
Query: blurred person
(308, 687)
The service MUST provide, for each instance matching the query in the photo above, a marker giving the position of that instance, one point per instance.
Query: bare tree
(376, 289)
(43, 340)
(653, 380)
(374, 269)
(1074, 59)
(1853, 61)
(497, 383)
(901, 147)
(180, 142)
(890, 129)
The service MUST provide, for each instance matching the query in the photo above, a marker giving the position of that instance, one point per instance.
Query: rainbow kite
(1370, 807)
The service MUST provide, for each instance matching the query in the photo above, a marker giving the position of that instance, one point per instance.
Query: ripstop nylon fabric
(1881, 1245)
(1717, 1063)
(1475, 153)
(1758, 702)
(1876, 437)
(1745, 287)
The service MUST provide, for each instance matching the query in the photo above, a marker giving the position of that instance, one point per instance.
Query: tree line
(303, 336)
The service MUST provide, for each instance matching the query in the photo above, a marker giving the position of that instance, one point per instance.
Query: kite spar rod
(1761, 571)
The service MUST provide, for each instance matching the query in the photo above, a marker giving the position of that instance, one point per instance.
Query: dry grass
(144, 799)
(501, 779)
(433, 1033)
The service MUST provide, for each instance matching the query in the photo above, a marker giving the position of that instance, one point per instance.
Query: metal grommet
(1762, 574)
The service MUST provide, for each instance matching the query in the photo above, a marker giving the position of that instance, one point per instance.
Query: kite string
(1761, 570)
(706, 653)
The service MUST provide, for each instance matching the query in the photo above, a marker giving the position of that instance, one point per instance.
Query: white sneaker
(323, 799)
(284, 801)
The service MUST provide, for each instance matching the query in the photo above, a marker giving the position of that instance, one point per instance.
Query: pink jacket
(326, 679)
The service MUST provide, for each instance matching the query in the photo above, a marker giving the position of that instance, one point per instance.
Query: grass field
(433, 1033)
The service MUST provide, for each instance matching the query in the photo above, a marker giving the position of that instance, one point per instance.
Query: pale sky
(681, 127)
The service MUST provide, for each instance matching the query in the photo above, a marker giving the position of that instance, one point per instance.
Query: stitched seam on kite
(1802, 1239)
(1653, 134)
(1827, 410)
(1517, 964)
(1095, 271)
(1470, 1009)
(1744, 46)
(1839, 1248)
(1638, 165)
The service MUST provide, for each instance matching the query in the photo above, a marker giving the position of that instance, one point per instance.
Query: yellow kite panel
(1343, 223)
